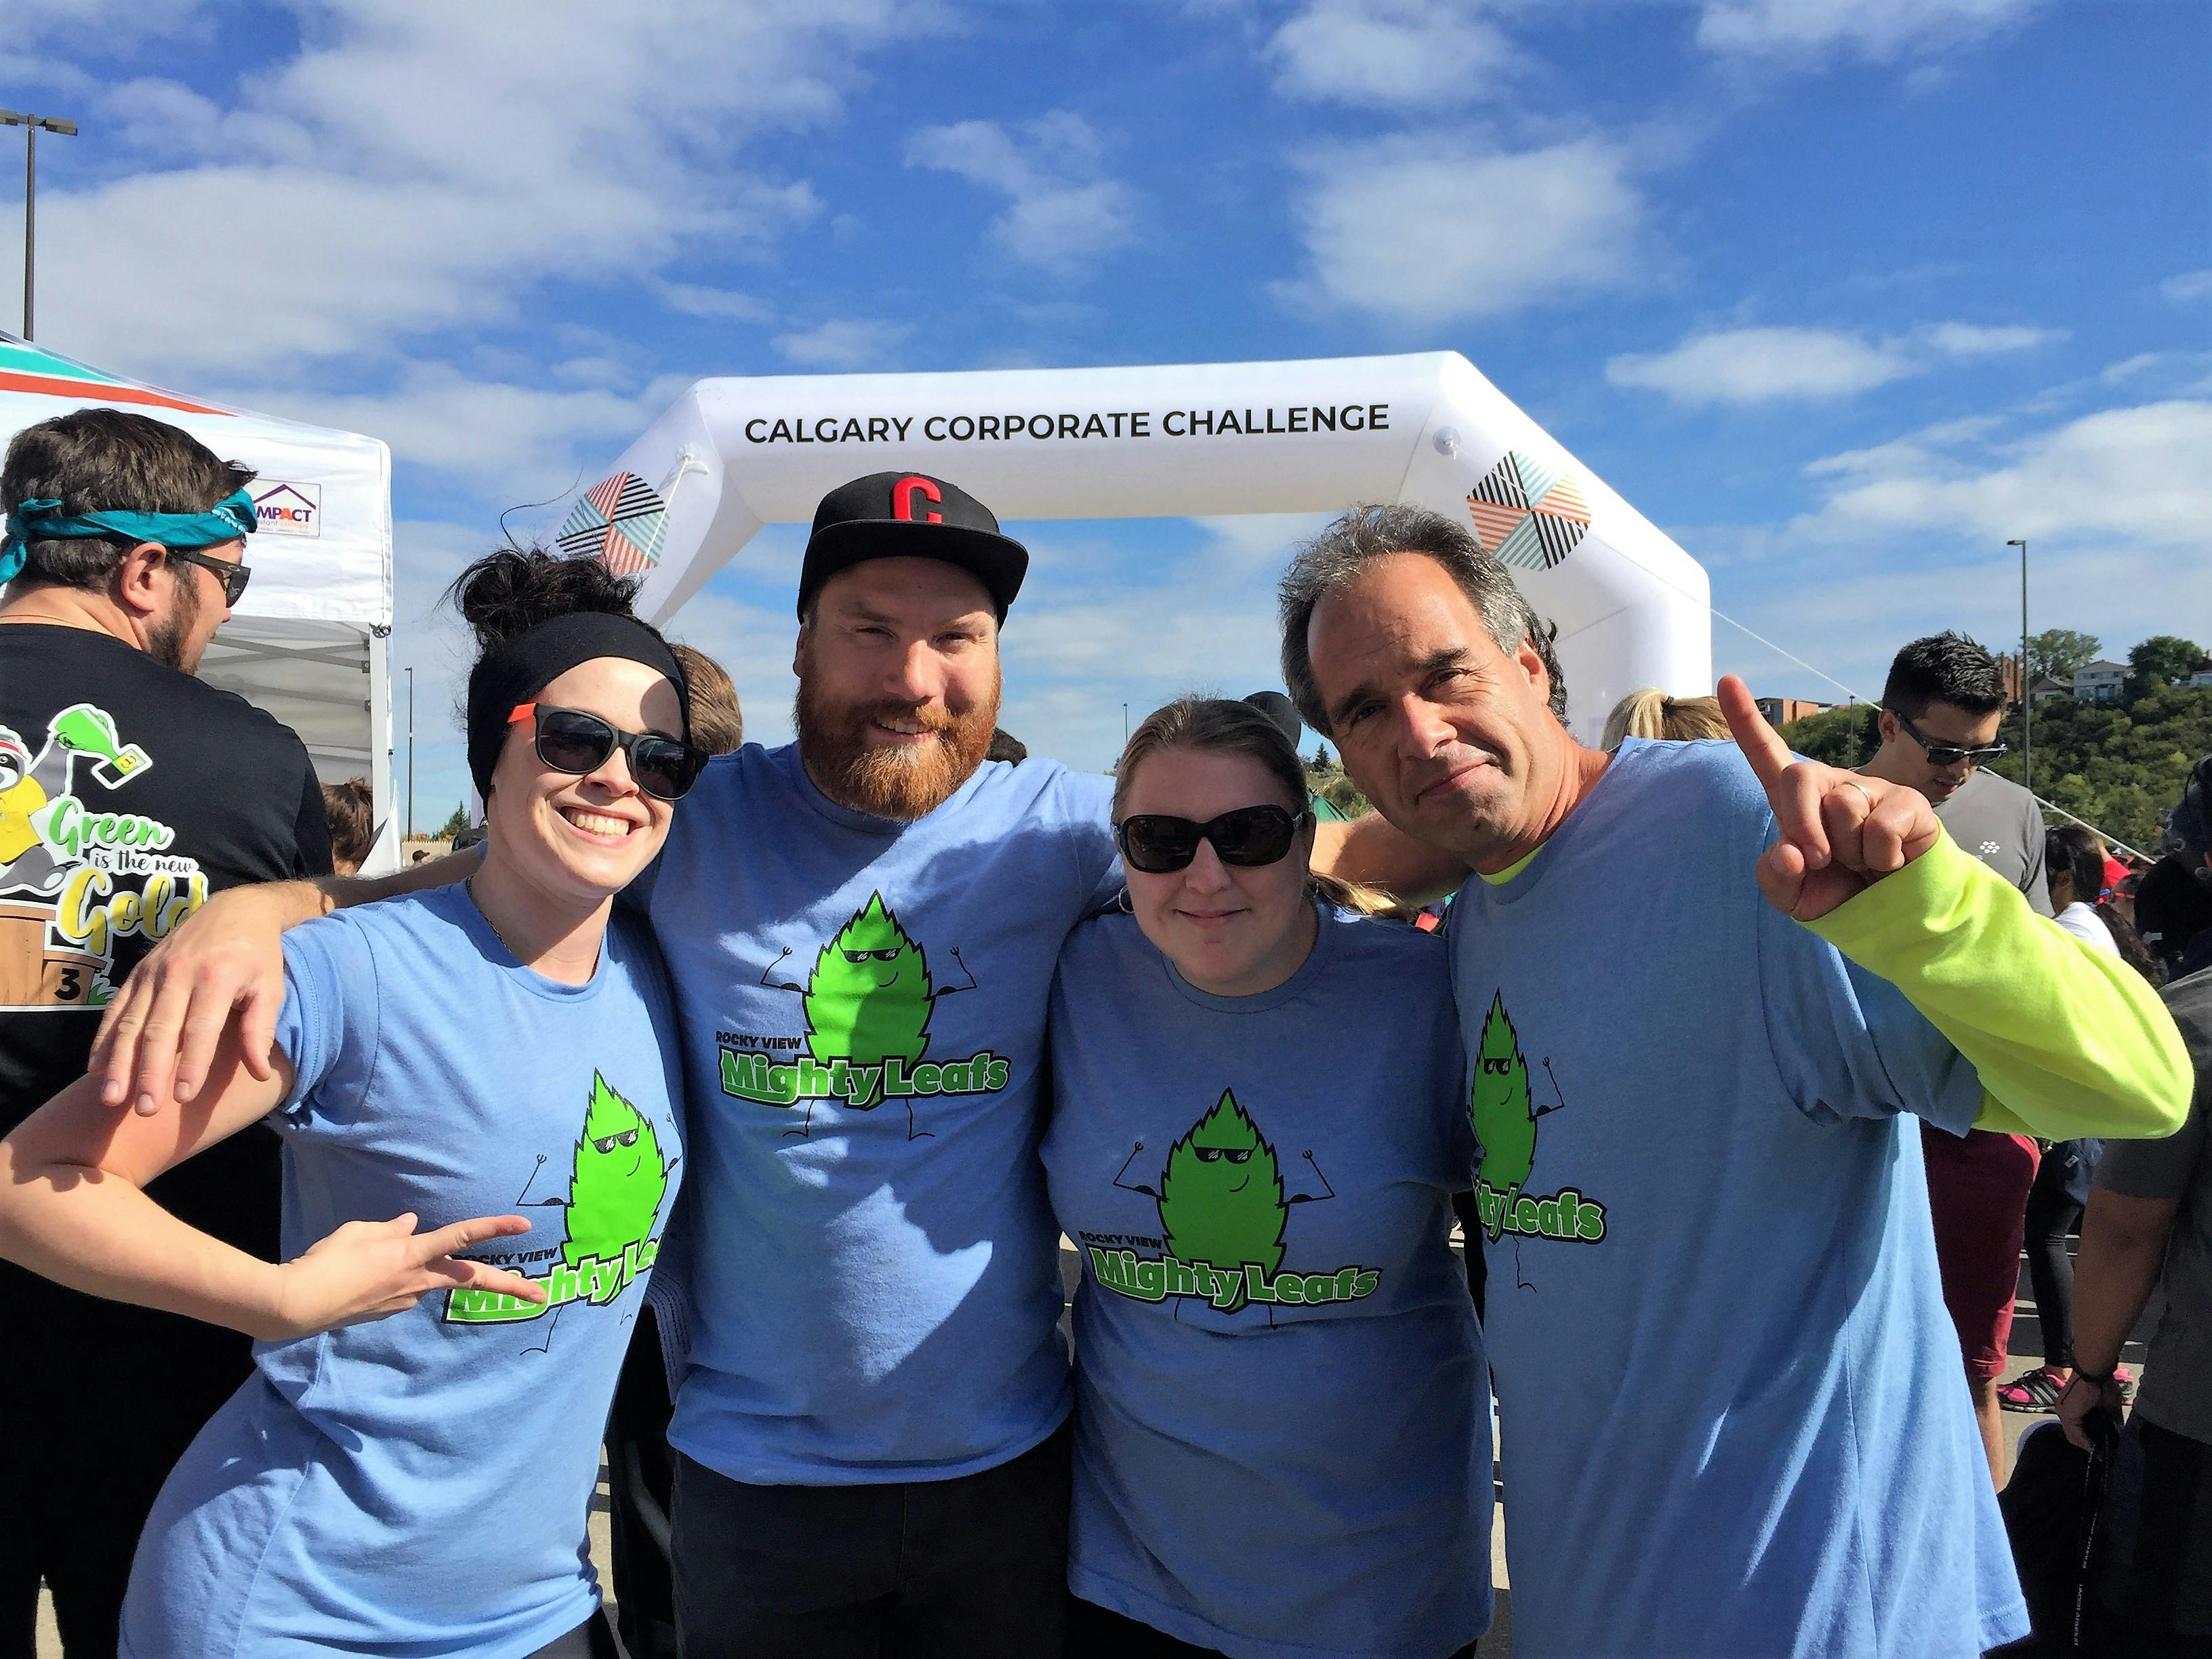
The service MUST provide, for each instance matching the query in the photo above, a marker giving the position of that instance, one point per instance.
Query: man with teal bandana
(129, 791)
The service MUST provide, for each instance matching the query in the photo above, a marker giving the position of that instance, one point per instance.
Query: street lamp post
(2027, 691)
(1125, 725)
(411, 754)
(32, 125)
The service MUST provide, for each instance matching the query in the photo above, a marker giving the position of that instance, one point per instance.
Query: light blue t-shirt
(1731, 1412)
(1282, 1424)
(871, 1280)
(419, 1484)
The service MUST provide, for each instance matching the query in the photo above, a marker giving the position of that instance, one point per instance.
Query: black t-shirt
(128, 793)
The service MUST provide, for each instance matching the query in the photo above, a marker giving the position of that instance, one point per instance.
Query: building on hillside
(2102, 681)
(2048, 686)
(2200, 674)
(2009, 668)
(1780, 711)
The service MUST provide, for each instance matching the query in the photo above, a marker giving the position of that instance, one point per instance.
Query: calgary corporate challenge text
(1124, 423)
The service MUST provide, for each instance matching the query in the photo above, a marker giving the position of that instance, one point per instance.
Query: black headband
(526, 665)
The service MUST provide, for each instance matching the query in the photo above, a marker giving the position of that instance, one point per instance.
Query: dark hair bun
(503, 595)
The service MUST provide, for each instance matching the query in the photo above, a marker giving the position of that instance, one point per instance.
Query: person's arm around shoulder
(2067, 1042)
(73, 1208)
(158, 1037)
(1370, 851)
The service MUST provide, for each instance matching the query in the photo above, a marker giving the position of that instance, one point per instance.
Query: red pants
(1978, 1194)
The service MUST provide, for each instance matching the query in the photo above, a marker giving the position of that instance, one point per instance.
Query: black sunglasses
(234, 577)
(1950, 754)
(1159, 845)
(571, 740)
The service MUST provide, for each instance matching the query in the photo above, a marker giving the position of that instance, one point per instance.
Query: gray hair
(1334, 558)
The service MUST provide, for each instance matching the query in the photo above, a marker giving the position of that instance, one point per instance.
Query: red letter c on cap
(903, 494)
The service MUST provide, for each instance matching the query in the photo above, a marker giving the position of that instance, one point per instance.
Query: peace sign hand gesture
(370, 1270)
(1841, 832)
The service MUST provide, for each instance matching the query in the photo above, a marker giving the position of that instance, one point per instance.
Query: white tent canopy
(308, 641)
(732, 455)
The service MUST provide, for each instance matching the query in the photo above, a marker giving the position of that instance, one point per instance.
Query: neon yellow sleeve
(2068, 1040)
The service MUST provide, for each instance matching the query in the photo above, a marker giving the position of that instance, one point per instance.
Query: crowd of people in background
(727, 1105)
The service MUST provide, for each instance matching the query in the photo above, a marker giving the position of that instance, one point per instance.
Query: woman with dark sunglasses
(477, 1089)
(1259, 1118)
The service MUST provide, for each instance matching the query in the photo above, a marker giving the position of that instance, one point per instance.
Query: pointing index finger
(1761, 744)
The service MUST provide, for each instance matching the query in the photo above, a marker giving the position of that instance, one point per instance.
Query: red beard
(904, 783)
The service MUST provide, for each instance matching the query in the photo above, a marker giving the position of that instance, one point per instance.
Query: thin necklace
(469, 886)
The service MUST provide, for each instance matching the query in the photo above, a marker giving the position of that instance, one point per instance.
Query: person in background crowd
(2074, 858)
(1941, 709)
(1259, 1117)
(861, 928)
(718, 725)
(1005, 746)
(1652, 714)
(125, 549)
(398, 1476)
(351, 808)
(2173, 904)
(1697, 1179)
(2074, 872)
(2148, 1226)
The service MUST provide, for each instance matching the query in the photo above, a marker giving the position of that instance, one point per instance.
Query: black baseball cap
(910, 515)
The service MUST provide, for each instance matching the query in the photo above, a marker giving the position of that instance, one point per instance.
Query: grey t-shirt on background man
(1999, 822)
(2176, 1385)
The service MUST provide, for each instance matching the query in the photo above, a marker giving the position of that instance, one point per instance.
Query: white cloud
(1875, 30)
(843, 343)
(515, 440)
(1394, 53)
(2135, 474)
(691, 299)
(2189, 285)
(1770, 364)
(1061, 212)
(1427, 229)
(419, 167)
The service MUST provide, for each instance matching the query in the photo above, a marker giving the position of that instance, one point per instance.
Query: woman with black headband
(477, 1089)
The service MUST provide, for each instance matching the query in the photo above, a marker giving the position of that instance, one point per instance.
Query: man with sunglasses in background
(862, 928)
(129, 791)
(1941, 709)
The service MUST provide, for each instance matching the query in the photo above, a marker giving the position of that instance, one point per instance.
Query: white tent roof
(307, 643)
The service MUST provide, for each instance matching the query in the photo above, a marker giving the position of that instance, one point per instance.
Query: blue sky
(1840, 293)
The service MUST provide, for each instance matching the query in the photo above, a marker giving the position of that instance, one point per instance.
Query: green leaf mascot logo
(869, 999)
(1497, 1102)
(619, 1180)
(1221, 1195)
(1504, 1115)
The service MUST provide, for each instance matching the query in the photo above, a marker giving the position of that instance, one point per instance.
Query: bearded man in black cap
(862, 928)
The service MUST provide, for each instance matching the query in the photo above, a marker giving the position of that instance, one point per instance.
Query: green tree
(2057, 653)
(453, 825)
(1836, 737)
(2161, 660)
(2119, 766)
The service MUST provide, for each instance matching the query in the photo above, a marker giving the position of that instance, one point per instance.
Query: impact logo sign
(288, 510)
(619, 520)
(1528, 513)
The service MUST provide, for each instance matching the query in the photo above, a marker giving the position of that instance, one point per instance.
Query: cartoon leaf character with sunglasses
(619, 1181)
(1221, 1195)
(870, 997)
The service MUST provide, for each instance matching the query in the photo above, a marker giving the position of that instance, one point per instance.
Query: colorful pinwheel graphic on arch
(620, 520)
(1528, 512)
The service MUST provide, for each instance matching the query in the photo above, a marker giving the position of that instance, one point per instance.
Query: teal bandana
(43, 521)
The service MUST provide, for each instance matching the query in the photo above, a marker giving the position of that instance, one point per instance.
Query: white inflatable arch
(1171, 441)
